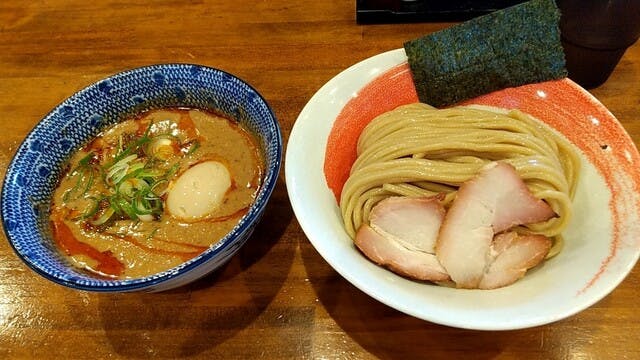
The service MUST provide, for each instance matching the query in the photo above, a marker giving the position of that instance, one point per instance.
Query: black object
(400, 11)
(595, 35)
(507, 48)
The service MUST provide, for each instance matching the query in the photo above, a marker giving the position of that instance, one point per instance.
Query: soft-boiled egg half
(198, 191)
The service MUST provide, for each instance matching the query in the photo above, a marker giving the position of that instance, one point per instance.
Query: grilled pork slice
(511, 255)
(495, 200)
(402, 235)
(414, 222)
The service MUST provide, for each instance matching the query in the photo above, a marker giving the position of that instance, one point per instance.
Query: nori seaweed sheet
(511, 47)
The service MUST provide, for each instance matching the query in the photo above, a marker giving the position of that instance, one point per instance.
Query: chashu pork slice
(401, 236)
(511, 255)
(414, 222)
(495, 200)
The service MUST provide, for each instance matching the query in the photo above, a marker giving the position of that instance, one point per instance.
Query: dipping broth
(154, 191)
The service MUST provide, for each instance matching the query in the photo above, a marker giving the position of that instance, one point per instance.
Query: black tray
(400, 11)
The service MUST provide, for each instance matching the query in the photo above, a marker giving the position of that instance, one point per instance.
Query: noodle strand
(417, 150)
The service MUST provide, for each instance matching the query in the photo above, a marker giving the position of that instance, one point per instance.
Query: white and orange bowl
(34, 171)
(602, 242)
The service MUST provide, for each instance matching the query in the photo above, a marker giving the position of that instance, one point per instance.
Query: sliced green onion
(126, 188)
(194, 146)
(172, 170)
(90, 210)
(125, 207)
(85, 160)
(160, 187)
(104, 216)
(85, 176)
(150, 174)
(125, 161)
(129, 186)
(119, 170)
(116, 176)
(142, 206)
(136, 177)
(135, 167)
(135, 145)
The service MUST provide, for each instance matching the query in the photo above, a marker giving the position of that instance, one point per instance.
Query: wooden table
(277, 298)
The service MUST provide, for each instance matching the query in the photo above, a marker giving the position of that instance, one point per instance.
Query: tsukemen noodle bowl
(146, 180)
(598, 247)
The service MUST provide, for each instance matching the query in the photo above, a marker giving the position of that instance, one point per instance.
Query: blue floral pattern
(33, 173)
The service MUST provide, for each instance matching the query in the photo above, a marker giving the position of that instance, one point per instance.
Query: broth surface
(124, 176)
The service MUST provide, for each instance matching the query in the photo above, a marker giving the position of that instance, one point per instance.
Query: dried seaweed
(511, 47)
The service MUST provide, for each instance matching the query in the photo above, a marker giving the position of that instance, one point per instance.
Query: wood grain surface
(277, 298)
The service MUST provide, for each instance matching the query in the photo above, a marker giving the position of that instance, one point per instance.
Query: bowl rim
(245, 224)
(359, 75)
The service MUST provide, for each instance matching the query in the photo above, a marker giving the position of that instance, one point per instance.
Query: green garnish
(103, 217)
(90, 210)
(134, 181)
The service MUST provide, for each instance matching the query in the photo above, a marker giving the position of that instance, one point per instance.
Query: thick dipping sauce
(154, 191)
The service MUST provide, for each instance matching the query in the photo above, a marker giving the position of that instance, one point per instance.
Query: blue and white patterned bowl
(33, 173)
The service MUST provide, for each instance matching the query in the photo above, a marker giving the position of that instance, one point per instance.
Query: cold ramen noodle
(154, 191)
(468, 196)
